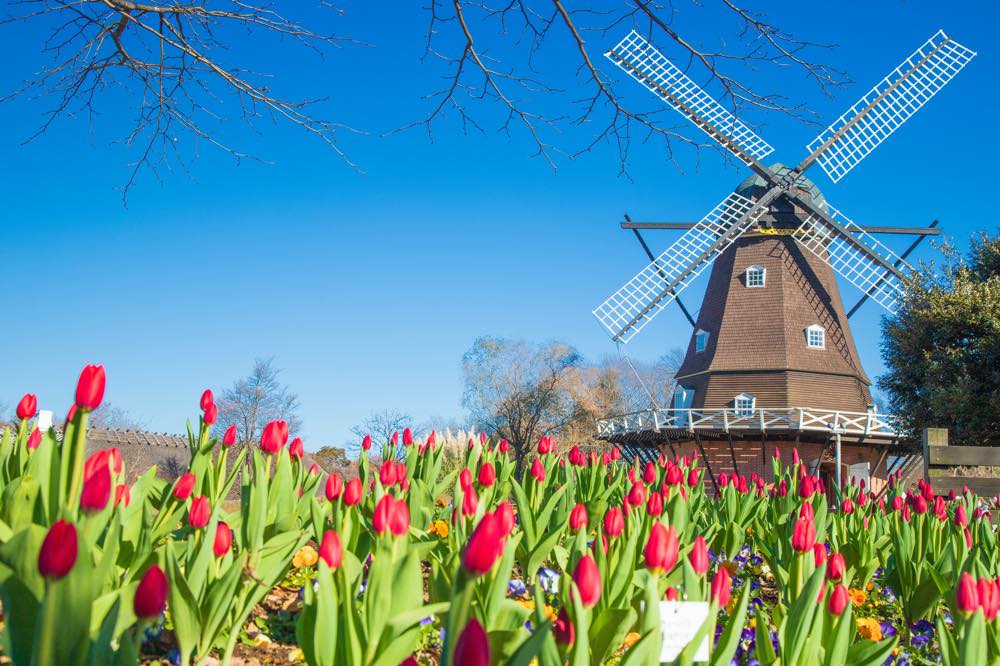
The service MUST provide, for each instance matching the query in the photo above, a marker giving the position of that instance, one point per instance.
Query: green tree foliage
(942, 347)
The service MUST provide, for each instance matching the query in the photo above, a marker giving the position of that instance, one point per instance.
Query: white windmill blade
(648, 66)
(888, 105)
(851, 262)
(633, 306)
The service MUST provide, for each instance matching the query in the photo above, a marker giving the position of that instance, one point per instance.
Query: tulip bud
(366, 443)
(296, 450)
(537, 470)
(838, 600)
(473, 646)
(654, 506)
(407, 437)
(614, 522)
(505, 514)
(807, 487)
(399, 518)
(562, 629)
(722, 587)
(819, 555)
(211, 415)
(671, 594)
(649, 473)
(465, 478)
(966, 596)
(637, 495)
(699, 556)
(352, 492)
(504, 446)
(960, 518)
(122, 493)
(96, 490)
(470, 501)
(58, 552)
(200, 512)
(588, 581)
(835, 567)
(34, 439)
(380, 518)
(229, 438)
(207, 399)
(847, 507)
(484, 547)
(661, 549)
(223, 539)
(330, 550)
(334, 487)
(487, 475)
(90, 387)
(578, 518)
(184, 486)
(28, 407)
(151, 595)
(274, 436)
(803, 535)
(693, 479)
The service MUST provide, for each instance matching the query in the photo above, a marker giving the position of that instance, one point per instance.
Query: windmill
(772, 353)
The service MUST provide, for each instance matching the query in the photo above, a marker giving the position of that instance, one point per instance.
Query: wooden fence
(939, 457)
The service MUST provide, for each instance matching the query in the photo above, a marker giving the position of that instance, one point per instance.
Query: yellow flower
(753, 623)
(631, 638)
(869, 628)
(857, 596)
(550, 612)
(527, 603)
(306, 557)
(261, 639)
(870, 586)
(440, 501)
(440, 528)
(296, 656)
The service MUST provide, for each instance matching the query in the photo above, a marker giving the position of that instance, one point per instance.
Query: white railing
(762, 419)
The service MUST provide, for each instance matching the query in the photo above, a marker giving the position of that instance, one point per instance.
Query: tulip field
(588, 559)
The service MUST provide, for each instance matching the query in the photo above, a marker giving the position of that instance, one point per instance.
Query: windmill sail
(633, 306)
(648, 66)
(888, 105)
(855, 264)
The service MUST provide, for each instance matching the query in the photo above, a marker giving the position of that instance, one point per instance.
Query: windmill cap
(755, 182)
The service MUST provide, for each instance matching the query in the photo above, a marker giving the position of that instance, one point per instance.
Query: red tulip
(562, 629)
(28, 406)
(274, 437)
(334, 487)
(693, 478)
(366, 443)
(58, 552)
(223, 539)
(504, 446)
(96, 490)
(960, 518)
(484, 547)
(807, 487)
(122, 493)
(505, 514)
(407, 437)
(537, 470)
(588, 581)
(654, 506)
(151, 595)
(637, 494)
(330, 550)
(465, 478)
(675, 476)
(661, 549)
(487, 475)
(838, 600)
(295, 449)
(614, 522)
(395, 438)
(699, 556)
(722, 587)
(966, 596)
(207, 399)
(803, 535)
(399, 518)
(649, 473)
(819, 553)
(578, 517)
(380, 518)
(472, 647)
(470, 501)
(200, 512)
(989, 597)
(352, 492)
(34, 439)
(90, 387)
(184, 486)
(671, 594)
(847, 507)
(229, 438)
(835, 567)
(211, 415)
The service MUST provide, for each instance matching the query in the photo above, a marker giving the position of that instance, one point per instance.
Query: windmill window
(700, 341)
(816, 337)
(744, 404)
(755, 276)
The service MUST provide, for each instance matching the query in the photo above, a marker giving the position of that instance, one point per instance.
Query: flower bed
(408, 564)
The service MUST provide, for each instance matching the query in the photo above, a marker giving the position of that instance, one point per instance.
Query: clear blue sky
(367, 289)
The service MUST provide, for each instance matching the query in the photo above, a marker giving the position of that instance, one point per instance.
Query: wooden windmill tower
(771, 357)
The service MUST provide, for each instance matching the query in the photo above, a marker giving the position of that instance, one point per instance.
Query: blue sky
(367, 288)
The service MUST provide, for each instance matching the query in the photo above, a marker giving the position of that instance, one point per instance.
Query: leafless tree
(518, 390)
(112, 417)
(380, 425)
(174, 61)
(255, 400)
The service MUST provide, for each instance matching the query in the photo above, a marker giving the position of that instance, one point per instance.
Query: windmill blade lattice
(633, 306)
(643, 62)
(850, 261)
(888, 105)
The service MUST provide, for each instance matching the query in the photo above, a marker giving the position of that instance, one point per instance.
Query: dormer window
(744, 404)
(816, 337)
(700, 340)
(755, 276)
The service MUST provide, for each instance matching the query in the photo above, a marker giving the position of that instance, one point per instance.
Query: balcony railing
(861, 424)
